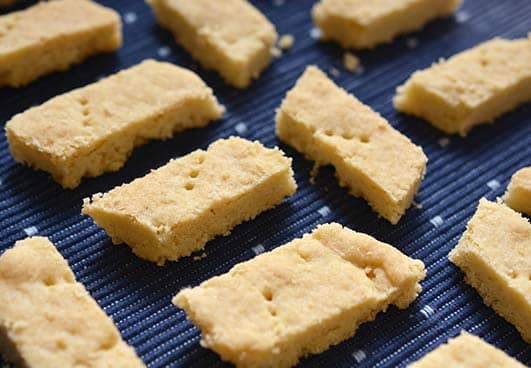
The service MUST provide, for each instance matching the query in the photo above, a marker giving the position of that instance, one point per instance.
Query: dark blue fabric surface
(460, 171)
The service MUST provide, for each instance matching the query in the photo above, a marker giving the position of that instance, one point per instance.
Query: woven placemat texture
(460, 171)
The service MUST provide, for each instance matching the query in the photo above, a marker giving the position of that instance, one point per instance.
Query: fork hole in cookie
(268, 295)
(189, 186)
(305, 257)
(60, 344)
(347, 136)
(49, 281)
(370, 273)
(364, 138)
(194, 173)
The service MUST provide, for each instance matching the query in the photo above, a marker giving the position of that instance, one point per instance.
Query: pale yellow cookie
(495, 255)
(373, 159)
(51, 36)
(466, 351)
(366, 24)
(229, 36)
(518, 195)
(472, 87)
(48, 320)
(174, 210)
(300, 298)
(92, 130)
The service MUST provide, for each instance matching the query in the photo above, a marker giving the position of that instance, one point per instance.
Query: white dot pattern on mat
(240, 128)
(278, 2)
(31, 230)
(258, 249)
(130, 17)
(493, 184)
(359, 355)
(412, 42)
(437, 221)
(443, 142)
(324, 211)
(315, 33)
(427, 311)
(461, 16)
(164, 51)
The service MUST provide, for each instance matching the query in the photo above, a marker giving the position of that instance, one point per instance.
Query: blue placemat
(460, 171)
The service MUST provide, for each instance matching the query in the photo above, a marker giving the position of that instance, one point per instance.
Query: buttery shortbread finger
(177, 208)
(48, 320)
(300, 298)
(466, 351)
(229, 36)
(495, 255)
(93, 130)
(53, 35)
(365, 24)
(331, 126)
(518, 195)
(472, 87)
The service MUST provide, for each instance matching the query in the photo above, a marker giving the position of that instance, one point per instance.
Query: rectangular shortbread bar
(48, 320)
(365, 24)
(466, 351)
(176, 209)
(331, 126)
(92, 130)
(495, 255)
(300, 298)
(472, 87)
(229, 36)
(52, 35)
(518, 195)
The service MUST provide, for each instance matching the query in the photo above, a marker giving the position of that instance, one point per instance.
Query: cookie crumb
(286, 41)
(335, 72)
(314, 172)
(200, 257)
(351, 62)
(276, 52)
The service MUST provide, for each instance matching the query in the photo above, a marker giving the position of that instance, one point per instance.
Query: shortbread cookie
(365, 24)
(331, 126)
(495, 255)
(48, 320)
(472, 87)
(51, 36)
(229, 36)
(300, 298)
(174, 210)
(466, 351)
(93, 130)
(518, 195)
